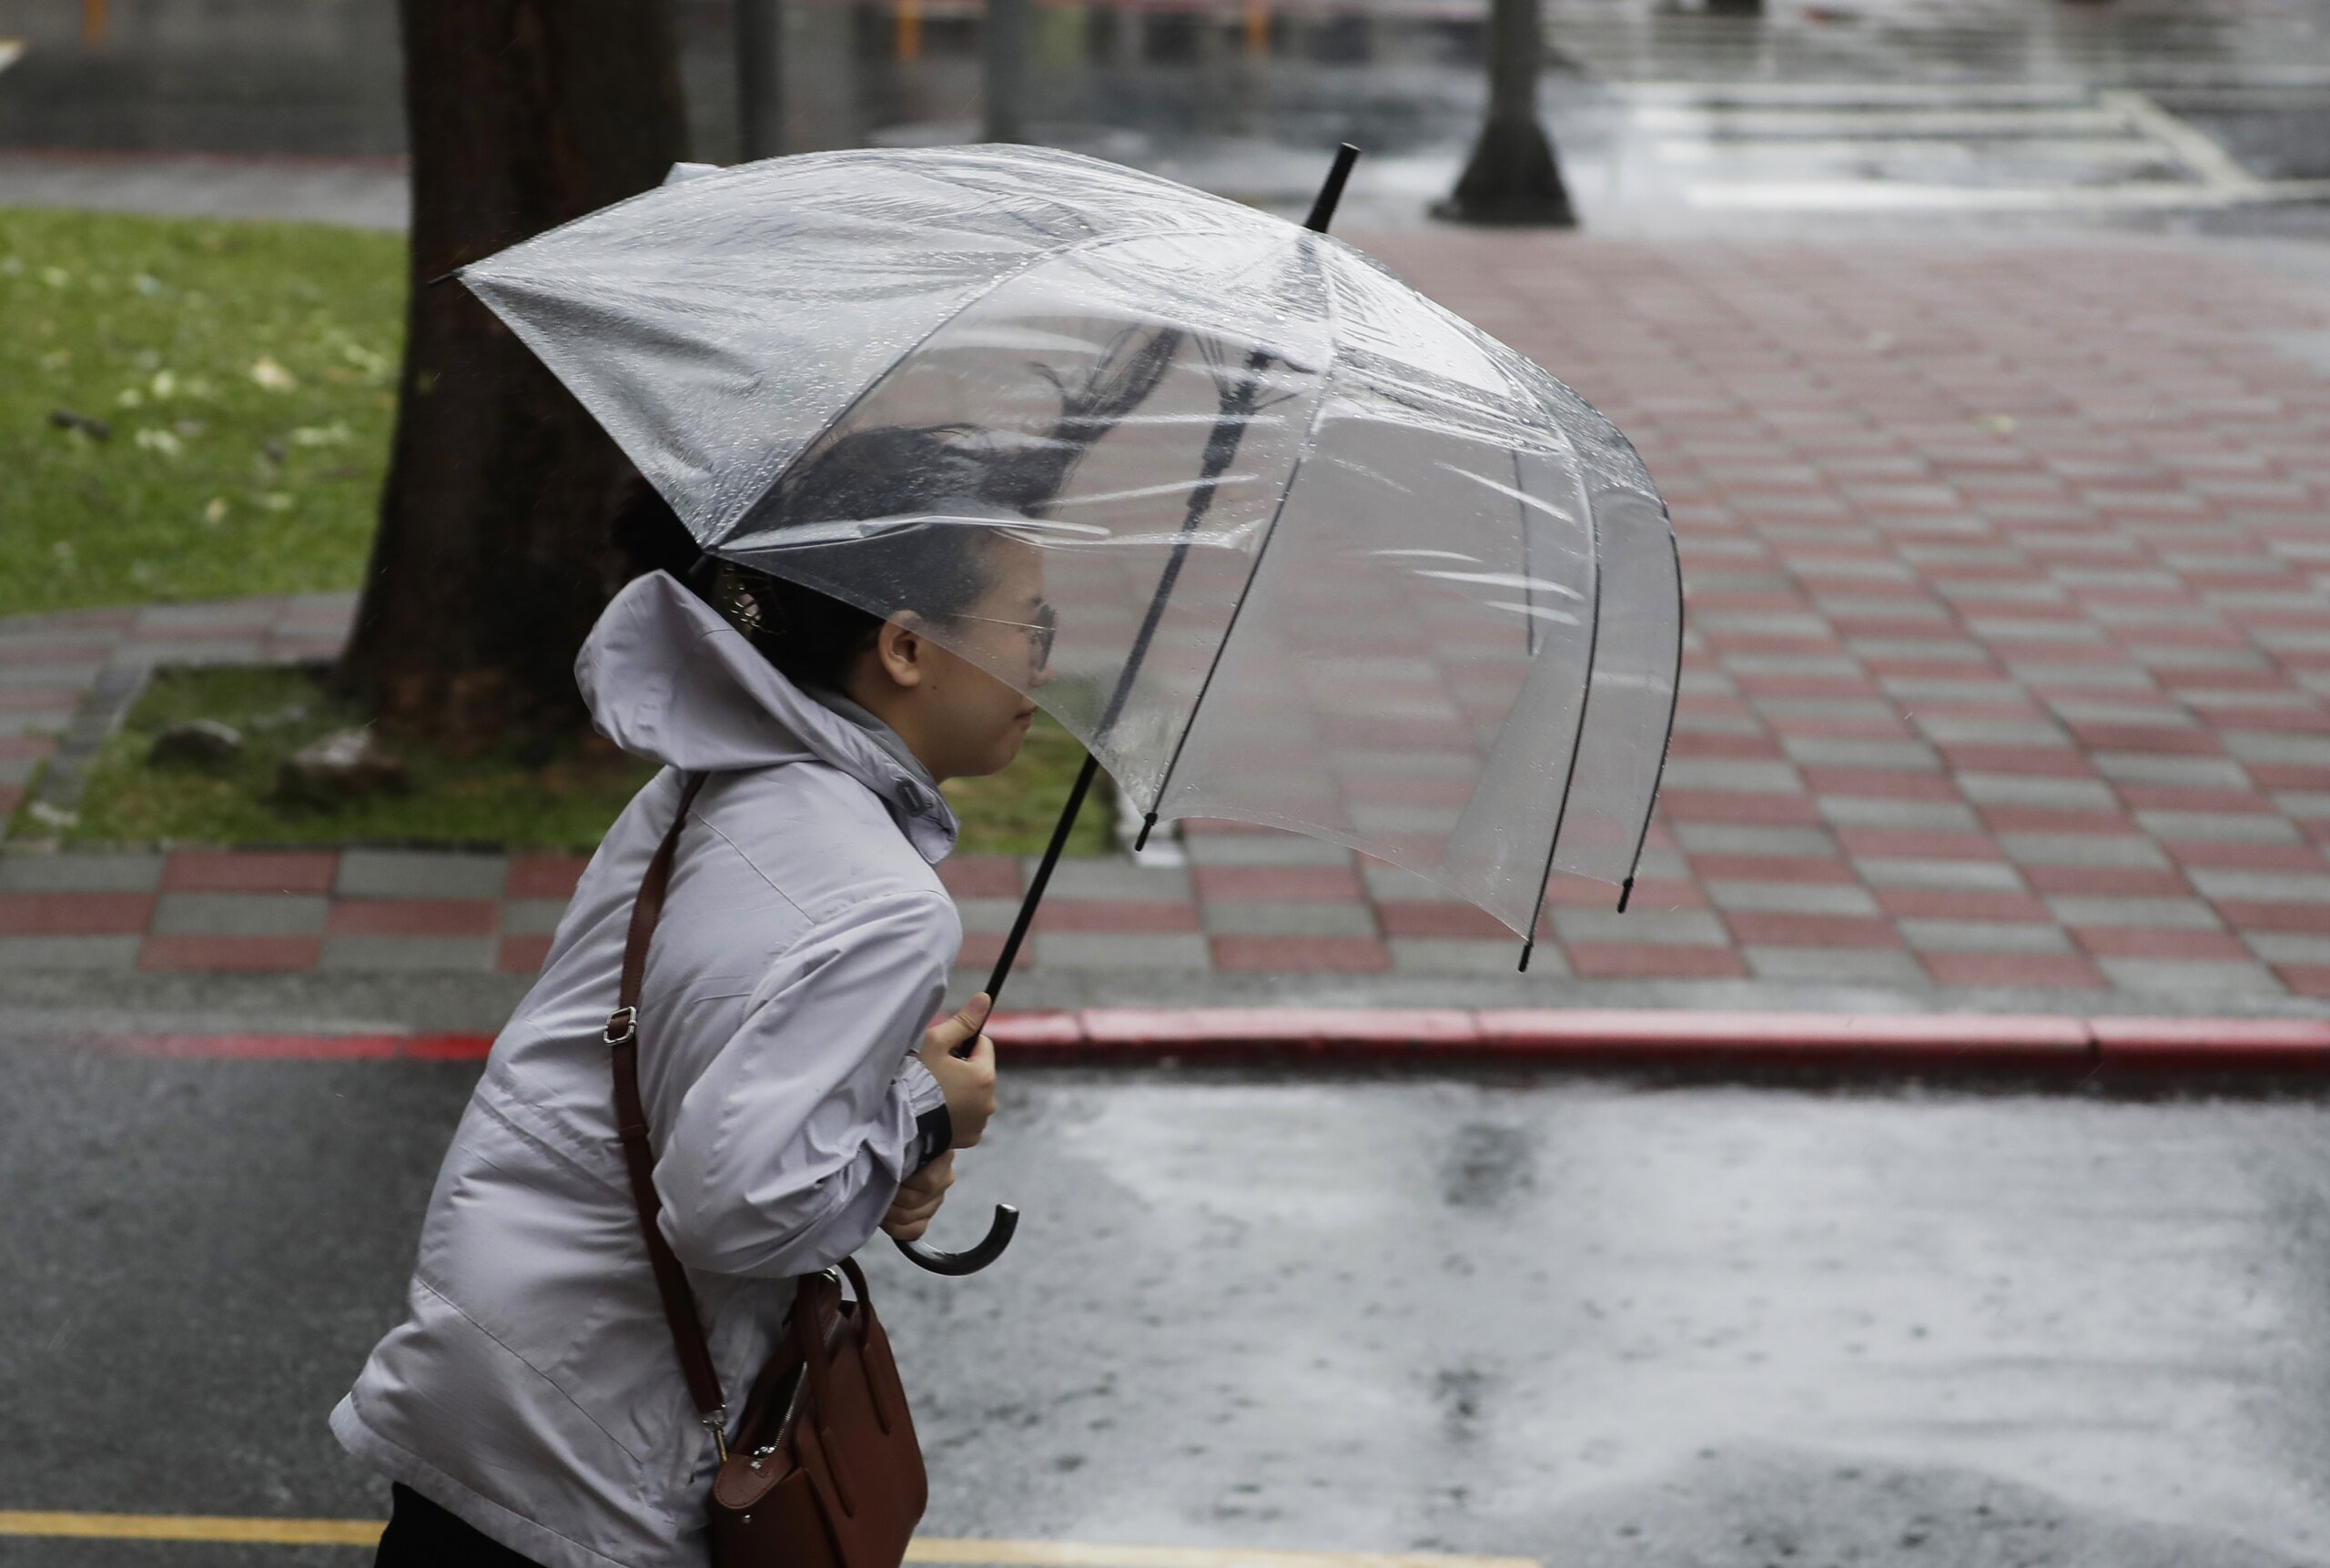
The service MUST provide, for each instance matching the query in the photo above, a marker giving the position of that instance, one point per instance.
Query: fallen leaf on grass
(66, 420)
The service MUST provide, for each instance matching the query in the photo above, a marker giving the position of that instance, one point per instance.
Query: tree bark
(497, 545)
(1003, 60)
(1512, 175)
(760, 79)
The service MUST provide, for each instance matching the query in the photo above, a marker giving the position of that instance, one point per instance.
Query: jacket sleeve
(789, 1148)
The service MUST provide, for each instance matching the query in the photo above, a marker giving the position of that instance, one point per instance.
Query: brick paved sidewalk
(2008, 575)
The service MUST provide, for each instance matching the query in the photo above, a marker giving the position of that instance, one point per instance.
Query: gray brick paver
(36, 953)
(408, 955)
(536, 916)
(420, 874)
(1790, 898)
(2218, 827)
(1984, 936)
(1270, 918)
(1835, 966)
(2189, 977)
(1261, 849)
(1736, 838)
(2263, 887)
(1078, 950)
(2146, 914)
(1471, 956)
(1746, 778)
(79, 871)
(2036, 789)
(1952, 875)
(988, 915)
(1113, 878)
(2289, 947)
(2119, 851)
(1885, 810)
(240, 914)
(2154, 768)
(1688, 928)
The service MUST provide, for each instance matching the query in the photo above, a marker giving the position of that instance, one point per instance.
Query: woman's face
(961, 720)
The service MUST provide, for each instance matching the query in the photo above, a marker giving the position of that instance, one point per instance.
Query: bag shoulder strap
(631, 1125)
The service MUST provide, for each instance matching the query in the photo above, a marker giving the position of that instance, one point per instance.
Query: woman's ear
(901, 651)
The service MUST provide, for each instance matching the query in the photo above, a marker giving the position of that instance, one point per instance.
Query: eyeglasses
(1045, 626)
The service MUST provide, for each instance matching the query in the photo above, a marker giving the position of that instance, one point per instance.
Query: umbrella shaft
(1237, 405)
(1060, 831)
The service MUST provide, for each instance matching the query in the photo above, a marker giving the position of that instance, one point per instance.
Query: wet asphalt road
(1590, 1321)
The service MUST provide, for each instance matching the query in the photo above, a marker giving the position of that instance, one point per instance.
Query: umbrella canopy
(1277, 538)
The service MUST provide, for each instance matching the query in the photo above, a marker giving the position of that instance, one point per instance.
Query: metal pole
(1512, 175)
(760, 79)
(1004, 45)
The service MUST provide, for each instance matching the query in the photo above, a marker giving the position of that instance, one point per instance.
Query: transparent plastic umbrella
(1278, 539)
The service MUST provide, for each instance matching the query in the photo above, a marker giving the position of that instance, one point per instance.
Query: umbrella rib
(1576, 743)
(1673, 700)
(1294, 476)
(1090, 242)
(1528, 579)
(1222, 446)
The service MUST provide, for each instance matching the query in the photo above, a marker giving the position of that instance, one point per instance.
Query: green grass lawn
(563, 800)
(246, 376)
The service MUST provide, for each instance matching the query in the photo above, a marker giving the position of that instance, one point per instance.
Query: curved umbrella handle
(999, 1237)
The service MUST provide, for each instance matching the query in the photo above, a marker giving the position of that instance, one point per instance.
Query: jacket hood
(668, 679)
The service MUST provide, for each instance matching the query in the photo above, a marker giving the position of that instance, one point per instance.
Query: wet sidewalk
(2008, 574)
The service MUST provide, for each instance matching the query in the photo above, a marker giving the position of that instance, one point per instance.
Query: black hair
(815, 639)
(894, 471)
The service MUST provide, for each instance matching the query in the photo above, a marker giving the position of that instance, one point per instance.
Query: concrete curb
(1916, 1045)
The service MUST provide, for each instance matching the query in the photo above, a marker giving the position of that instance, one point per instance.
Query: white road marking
(1887, 195)
(2129, 149)
(2116, 133)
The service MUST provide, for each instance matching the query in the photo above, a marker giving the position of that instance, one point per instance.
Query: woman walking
(530, 1409)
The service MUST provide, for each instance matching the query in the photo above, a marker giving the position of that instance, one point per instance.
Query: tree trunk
(497, 544)
(760, 79)
(1512, 177)
(1003, 58)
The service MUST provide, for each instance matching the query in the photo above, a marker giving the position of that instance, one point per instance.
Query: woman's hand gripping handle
(963, 1061)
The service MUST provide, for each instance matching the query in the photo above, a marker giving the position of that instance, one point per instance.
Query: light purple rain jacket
(533, 1388)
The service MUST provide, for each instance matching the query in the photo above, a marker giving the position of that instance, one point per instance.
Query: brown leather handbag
(823, 1470)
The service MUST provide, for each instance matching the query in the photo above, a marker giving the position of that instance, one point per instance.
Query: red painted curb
(1426, 1036)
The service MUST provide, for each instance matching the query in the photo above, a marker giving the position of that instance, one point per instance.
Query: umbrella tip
(1322, 211)
(1625, 893)
(1140, 840)
(1527, 947)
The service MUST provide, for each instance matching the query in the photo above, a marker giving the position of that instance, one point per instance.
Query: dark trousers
(423, 1535)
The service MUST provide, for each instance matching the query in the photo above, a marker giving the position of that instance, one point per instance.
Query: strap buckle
(716, 1423)
(622, 1024)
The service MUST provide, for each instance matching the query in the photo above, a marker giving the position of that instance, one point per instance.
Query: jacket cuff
(934, 1125)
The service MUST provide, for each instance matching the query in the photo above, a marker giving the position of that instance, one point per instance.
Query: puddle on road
(1767, 1507)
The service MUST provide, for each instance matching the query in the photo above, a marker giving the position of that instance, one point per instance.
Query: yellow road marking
(192, 1527)
(931, 1549)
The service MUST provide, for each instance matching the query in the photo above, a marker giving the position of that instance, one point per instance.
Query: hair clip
(740, 604)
